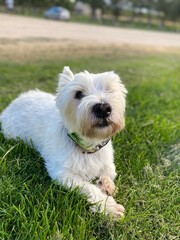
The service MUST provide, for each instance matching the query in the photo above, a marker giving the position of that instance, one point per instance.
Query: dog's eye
(79, 95)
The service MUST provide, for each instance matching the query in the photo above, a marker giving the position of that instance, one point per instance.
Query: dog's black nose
(101, 110)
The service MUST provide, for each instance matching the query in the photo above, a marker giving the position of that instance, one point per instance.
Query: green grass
(146, 157)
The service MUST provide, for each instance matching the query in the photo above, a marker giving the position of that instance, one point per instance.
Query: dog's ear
(66, 76)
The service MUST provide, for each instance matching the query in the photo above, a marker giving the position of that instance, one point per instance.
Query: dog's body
(85, 107)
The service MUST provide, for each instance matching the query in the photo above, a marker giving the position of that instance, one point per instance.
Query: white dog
(72, 131)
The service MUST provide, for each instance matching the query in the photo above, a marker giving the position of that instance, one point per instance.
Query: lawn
(146, 156)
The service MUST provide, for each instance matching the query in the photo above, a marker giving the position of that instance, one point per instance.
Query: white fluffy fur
(45, 120)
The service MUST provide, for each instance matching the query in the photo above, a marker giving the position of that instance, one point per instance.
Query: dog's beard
(101, 123)
(100, 128)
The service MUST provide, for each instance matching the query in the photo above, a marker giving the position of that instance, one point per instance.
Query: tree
(95, 4)
(116, 8)
(174, 12)
(45, 3)
(163, 7)
(135, 4)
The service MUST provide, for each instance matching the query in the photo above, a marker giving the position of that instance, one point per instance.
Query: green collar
(88, 148)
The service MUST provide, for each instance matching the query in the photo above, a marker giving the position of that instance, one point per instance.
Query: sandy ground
(26, 35)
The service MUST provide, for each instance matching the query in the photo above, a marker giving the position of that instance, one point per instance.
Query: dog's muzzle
(102, 111)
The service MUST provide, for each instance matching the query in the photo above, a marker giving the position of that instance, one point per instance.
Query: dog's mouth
(102, 123)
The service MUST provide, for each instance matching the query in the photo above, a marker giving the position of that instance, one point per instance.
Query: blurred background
(155, 14)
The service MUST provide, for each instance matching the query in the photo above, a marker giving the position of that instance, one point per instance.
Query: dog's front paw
(113, 208)
(106, 185)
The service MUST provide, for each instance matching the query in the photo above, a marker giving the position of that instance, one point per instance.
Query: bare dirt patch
(26, 38)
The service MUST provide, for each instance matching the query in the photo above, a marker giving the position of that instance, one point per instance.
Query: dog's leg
(106, 184)
(106, 180)
(95, 195)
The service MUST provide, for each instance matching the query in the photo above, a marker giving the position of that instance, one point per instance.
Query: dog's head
(92, 105)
